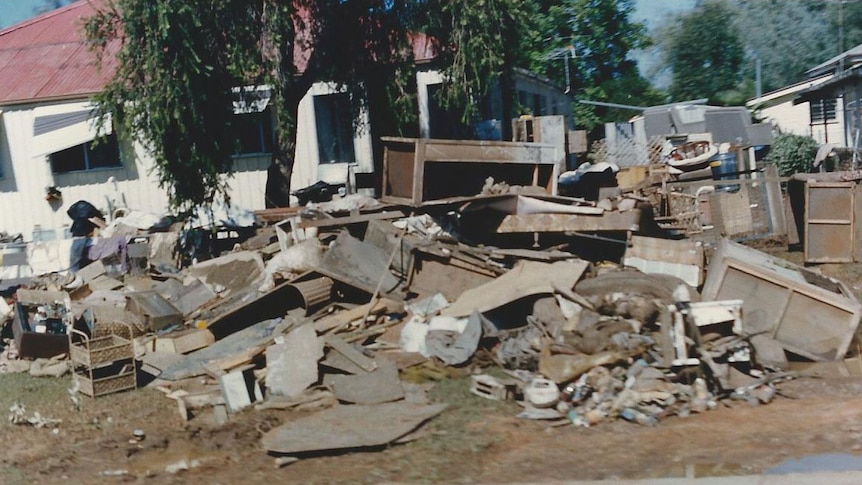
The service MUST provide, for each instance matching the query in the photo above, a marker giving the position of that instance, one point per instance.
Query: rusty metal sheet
(343, 427)
(609, 221)
(829, 222)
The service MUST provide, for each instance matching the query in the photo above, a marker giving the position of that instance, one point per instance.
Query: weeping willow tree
(481, 44)
(176, 61)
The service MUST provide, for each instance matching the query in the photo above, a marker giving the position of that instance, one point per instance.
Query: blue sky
(14, 11)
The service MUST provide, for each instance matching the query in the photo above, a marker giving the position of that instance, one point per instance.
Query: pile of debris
(555, 302)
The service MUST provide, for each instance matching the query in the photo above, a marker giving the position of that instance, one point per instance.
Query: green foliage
(788, 37)
(602, 35)
(172, 87)
(177, 61)
(481, 44)
(705, 52)
(792, 154)
(844, 19)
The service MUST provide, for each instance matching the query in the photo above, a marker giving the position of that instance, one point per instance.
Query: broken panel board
(810, 315)
(432, 274)
(681, 258)
(419, 171)
(345, 427)
(609, 221)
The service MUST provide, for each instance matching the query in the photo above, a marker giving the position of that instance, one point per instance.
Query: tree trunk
(284, 150)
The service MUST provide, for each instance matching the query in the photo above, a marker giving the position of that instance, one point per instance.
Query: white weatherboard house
(48, 76)
(821, 119)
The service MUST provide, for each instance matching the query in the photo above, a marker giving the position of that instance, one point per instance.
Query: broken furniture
(157, 312)
(102, 365)
(807, 313)
(721, 319)
(550, 130)
(421, 171)
(40, 323)
(753, 209)
(824, 207)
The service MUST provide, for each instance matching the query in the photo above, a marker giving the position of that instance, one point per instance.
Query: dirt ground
(474, 440)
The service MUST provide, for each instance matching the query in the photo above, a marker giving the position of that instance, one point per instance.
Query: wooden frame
(808, 314)
(421, 171)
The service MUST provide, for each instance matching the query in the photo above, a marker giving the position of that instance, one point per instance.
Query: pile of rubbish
(564, 305)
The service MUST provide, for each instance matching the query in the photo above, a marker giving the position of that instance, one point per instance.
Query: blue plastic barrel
(723, 167)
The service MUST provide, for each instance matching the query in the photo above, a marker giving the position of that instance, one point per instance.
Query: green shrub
(792, 154)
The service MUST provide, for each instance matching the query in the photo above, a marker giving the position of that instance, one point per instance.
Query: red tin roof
(46, 57)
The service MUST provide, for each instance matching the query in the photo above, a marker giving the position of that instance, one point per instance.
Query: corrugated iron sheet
(47, 57)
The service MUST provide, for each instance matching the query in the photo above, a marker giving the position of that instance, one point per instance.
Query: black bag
(81, 212)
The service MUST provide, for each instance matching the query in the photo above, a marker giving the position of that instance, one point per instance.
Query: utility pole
(757, 77)
(841, 28)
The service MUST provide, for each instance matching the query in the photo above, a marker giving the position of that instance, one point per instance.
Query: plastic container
(542, 393)
(724, 168)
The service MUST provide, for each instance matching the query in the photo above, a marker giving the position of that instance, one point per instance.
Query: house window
(532, 103)
(98, 154)
(334, 119)
(823, 111)
(254, 132)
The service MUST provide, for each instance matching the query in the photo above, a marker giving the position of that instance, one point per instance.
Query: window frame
(86, 149)
(337, 102)
(265, 127)
(823, 111)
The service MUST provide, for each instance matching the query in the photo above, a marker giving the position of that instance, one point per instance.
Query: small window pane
(823, 110)
(68, 160)
(254, 132)
(103, 153)
(334, 121)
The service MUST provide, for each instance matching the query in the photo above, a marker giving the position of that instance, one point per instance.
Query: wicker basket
(95, 384)
(103, 365)
(101, 350)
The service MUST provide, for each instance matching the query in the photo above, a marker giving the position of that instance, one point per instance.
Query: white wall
(308, 168)
(26, 175)
(796, 119)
